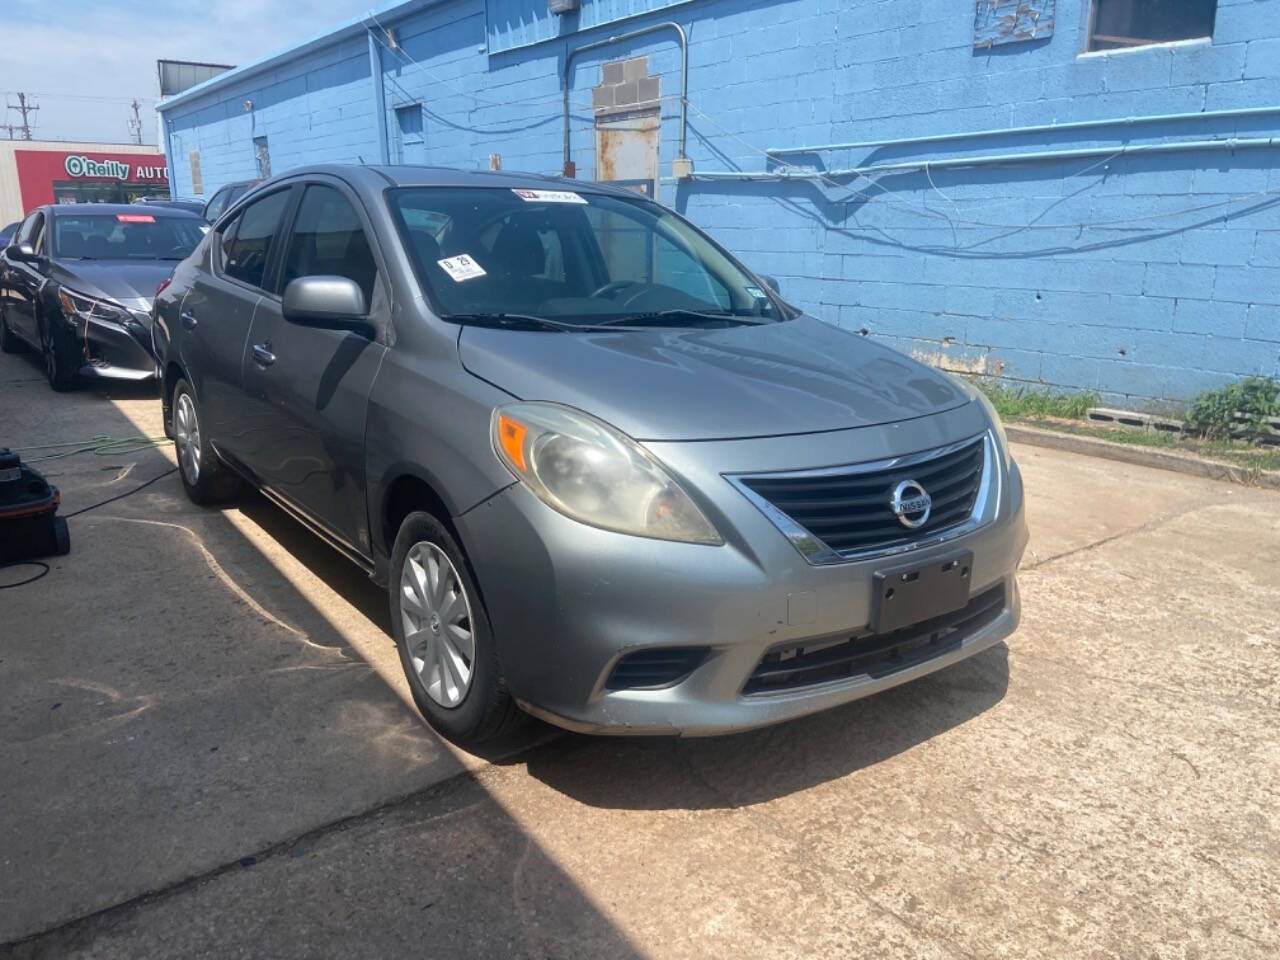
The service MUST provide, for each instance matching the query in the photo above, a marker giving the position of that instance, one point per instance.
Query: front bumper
(568, 601)
(114, 351)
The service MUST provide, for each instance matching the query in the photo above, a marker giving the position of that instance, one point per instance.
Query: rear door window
(250, 246)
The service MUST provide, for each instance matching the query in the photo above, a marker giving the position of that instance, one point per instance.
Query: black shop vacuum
(29, 523)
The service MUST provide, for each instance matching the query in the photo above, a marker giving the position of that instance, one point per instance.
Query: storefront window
(79, 191)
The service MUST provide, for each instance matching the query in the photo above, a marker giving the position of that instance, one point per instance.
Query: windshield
(124, 236)
(571, 259)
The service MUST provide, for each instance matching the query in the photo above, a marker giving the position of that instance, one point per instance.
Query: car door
(216, 316)
(310, 386)
(24, 281)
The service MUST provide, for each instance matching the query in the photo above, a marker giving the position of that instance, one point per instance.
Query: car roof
(379, 176)
(80, 209)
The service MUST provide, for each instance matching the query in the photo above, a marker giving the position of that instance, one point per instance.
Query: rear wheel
(206, 479)
(443, 635)
(60, 354)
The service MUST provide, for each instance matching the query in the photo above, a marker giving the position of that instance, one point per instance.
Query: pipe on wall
(1037, 156)
(619, 38)
(1032, 129)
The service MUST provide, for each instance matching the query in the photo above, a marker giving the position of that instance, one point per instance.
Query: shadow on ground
(761, 765)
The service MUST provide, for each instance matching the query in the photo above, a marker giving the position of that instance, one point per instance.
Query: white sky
(85, 60)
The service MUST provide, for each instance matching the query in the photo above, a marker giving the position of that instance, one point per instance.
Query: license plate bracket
(915, 592)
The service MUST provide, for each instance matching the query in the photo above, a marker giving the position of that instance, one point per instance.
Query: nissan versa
(606, 473)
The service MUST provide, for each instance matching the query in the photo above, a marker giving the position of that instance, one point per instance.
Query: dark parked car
(78, 281)
(604, 473)
(176, 203)
(7, 232)
(222, 201)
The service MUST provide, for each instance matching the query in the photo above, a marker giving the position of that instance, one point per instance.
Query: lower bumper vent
(655, 667)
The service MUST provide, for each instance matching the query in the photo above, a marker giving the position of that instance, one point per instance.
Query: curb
(1142, 456)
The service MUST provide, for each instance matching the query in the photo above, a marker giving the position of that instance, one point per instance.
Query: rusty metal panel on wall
(1012, 21)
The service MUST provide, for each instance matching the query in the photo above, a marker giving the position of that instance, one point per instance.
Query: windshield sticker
(549, 196)
(461, 267)
(755, 292)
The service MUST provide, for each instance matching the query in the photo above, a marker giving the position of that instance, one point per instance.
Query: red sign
(39, 170)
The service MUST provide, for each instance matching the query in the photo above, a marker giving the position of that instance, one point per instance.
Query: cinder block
(603, 96)
(636, 68)
(1178, 280)
(1219, 317)
(1248, 284)
(612, 72)
(1263, 322)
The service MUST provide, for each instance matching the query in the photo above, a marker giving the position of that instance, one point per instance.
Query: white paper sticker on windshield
(461, 267)
(549, 196)
(755, 292)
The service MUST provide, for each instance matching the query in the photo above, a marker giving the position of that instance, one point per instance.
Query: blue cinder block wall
(1144, 276)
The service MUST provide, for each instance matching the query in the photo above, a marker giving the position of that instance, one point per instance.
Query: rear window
(125, 236)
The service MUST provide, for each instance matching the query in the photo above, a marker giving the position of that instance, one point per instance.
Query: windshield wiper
(681, 318)
(510, 321)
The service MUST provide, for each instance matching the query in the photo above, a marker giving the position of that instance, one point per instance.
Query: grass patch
(1027, 404)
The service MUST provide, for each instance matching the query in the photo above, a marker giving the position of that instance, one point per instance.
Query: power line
(96, 98)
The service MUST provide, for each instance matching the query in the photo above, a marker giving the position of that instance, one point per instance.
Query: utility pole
(26, 108)
(135, 125)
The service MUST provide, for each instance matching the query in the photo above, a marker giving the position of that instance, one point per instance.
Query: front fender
(429, 419)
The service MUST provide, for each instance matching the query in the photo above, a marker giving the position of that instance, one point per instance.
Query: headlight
(981, 398)
(89, 308)
(591, 472)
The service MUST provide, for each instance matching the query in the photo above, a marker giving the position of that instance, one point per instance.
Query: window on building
(251, 246)
(263, 155)
(410, 141)
(329, 240)
(1135, 23)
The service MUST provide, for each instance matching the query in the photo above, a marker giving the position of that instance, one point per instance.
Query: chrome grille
(845, 512)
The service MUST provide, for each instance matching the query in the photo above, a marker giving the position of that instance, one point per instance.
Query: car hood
(130, 283)
(803, 376)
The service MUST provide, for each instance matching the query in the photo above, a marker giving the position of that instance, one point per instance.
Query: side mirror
(331, 303)
(20, 252)
(772, 283)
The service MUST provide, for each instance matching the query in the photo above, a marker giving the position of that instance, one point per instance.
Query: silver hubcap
(187, 429)
(436, 615)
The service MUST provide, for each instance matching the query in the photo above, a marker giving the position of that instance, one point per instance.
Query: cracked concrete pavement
(206, 749)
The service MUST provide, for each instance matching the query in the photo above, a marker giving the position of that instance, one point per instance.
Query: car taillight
(163, 285)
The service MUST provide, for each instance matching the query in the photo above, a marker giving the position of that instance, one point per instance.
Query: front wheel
(9, 342)
(443, 635)
(59, 351)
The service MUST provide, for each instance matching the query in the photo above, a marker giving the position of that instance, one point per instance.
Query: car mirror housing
(332, 303)
(21, 252)
(771, 282)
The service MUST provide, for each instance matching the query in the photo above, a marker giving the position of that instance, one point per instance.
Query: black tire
(214, 481)
(9, 342)
(487, 708)
(60, 353)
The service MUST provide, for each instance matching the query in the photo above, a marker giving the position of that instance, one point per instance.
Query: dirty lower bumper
(115, 351)
(567, 602)
(680, 710)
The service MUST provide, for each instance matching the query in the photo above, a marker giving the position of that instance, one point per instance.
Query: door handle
(262, 354)
(189, 321)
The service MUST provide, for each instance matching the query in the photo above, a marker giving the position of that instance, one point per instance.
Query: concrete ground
(206, 750)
